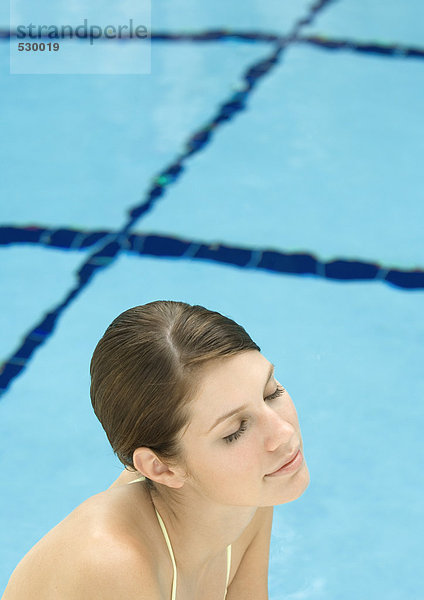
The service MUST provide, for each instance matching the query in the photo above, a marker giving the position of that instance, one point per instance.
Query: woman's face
(230, 457)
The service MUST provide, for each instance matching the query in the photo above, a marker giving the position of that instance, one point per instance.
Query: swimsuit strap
(171, 553)
(168, 543)
(228, 567)
(142, 478)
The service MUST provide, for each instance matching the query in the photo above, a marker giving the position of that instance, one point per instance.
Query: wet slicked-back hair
(146, 368)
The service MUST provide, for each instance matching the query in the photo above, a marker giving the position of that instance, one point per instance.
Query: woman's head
(164, 373)
(147, 368)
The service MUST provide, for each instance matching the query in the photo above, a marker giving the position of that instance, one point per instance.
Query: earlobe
(148, 464)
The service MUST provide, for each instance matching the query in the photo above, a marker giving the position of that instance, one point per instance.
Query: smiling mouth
(287, 463)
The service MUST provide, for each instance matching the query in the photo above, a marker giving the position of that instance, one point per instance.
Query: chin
(294, 488)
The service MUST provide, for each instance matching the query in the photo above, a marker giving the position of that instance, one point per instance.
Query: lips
(284, 464)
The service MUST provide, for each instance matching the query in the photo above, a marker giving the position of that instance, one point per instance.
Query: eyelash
(234, 436)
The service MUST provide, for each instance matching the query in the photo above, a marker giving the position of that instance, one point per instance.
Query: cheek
(227, 463)
(242, 460)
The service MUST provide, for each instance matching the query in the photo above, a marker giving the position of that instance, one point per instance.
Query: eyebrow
(244, 406)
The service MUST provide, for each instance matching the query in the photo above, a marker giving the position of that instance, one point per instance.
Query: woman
(210, 441)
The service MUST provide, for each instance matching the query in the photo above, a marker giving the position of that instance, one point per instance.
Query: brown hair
(146, 368)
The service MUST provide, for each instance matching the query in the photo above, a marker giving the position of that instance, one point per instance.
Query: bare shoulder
(116, 560)
(93, 553)
(114, 566)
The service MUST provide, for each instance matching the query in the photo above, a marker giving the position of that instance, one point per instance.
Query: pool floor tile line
(226, 111)
(371, 47)
(362, 47)
(107, 253)
(140, 244)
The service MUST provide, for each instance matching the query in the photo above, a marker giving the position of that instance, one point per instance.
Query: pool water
(269, 167)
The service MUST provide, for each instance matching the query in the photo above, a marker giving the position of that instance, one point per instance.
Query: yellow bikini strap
(228, 564)
(168, 543)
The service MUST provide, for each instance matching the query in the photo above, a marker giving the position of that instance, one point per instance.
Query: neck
(199, 530)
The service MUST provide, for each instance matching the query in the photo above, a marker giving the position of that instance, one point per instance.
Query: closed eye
(278, 392)
(234, 436)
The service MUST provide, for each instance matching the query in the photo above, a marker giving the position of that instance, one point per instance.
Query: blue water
(324, 160)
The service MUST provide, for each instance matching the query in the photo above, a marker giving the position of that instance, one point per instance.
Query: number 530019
(38, 46)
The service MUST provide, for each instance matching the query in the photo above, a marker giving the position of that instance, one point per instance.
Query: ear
(149, 465)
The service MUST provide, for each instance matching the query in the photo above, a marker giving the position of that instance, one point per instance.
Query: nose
(279, 431)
